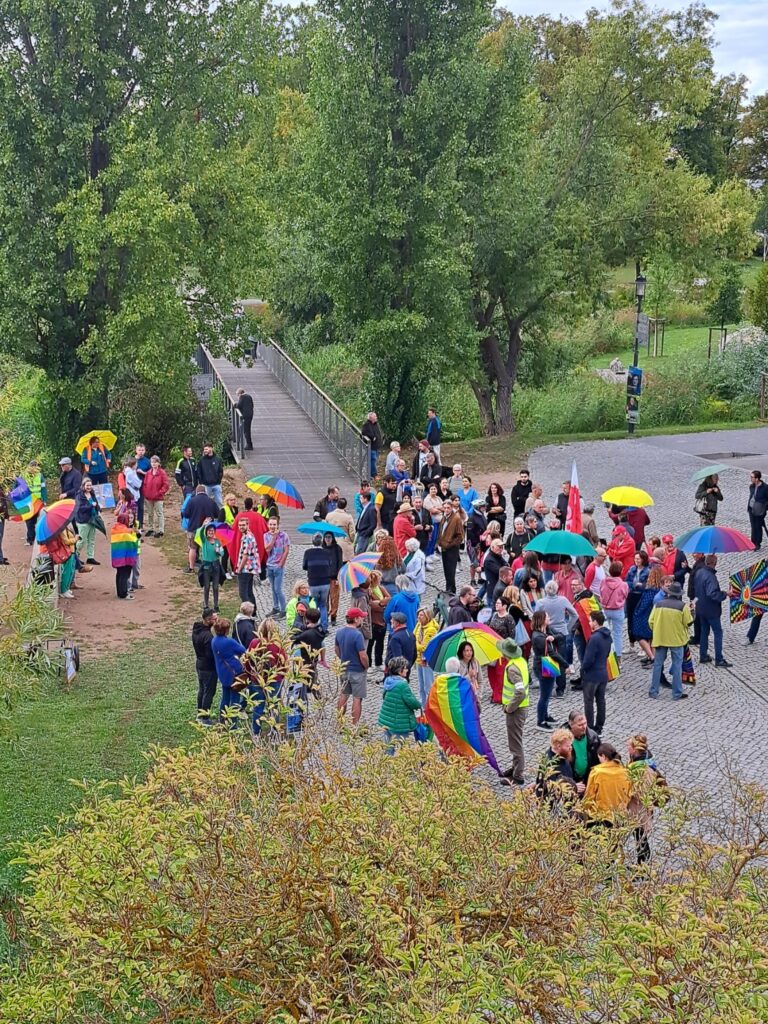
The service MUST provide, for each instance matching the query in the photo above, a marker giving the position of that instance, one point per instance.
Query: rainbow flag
(453, 712)
(125, 546)
(22, 505)
(584, 608)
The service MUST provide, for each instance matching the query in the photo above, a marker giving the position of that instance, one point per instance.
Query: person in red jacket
(622, 549)
(258, 527)
(636, 518)
(403, 528)
(154, 489)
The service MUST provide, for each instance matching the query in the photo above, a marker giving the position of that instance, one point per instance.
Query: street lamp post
(634, 378)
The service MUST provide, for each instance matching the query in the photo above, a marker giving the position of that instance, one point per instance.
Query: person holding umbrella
(708, 494)
(95, 456)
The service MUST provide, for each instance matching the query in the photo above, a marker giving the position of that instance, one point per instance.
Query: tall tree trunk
(484, 397)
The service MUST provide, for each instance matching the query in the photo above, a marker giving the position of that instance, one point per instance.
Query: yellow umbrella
(634, 496)
(106, 437)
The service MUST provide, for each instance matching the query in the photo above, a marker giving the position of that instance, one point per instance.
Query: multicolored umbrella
(107, 438)
(54, 519)
(281, 491)
(320, 526)
(705, 471)
(634, 496)
(447, 642)
(23, 505)
(357, 570)
(710, 540)
(225, 533)
(560, 542)
(453, 712)
(748, 591)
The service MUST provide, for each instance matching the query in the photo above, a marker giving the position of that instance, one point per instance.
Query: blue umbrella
(320, 526)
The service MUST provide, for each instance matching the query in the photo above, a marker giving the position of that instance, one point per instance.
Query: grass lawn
(626, 274)
(681, 344)
(508, 454)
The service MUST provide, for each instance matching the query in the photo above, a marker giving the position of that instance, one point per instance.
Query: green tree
(709, 144)
(725, 307)
(388, 98)
(757, 299)
(127, 185)
(587, 182)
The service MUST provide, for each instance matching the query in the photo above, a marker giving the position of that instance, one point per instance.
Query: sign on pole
(643, 331)
(202, 385)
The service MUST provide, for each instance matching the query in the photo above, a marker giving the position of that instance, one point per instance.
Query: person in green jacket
(399, 705)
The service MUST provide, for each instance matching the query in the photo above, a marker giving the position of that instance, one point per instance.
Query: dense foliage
(267, 884)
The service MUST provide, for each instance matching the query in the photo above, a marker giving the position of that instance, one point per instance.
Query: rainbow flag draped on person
(453, 712)
(125, 545)
(584, 607)
(22, 504)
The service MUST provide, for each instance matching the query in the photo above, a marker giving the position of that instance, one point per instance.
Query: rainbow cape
(584, 607)
(125, 546)
(453, 713)
(22, 505)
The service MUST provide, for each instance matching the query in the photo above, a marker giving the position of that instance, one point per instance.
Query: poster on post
(104, 495)
(634, 381)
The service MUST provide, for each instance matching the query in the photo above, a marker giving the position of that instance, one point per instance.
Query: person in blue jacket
(226, 655)
(434, 431)
(594, 671)
(709, 607)
(406, 600)
(96, 460)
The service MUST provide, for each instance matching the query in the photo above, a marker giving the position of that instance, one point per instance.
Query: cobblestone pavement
(727, 711)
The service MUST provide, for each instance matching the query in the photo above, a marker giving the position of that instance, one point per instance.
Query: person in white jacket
(416, 565)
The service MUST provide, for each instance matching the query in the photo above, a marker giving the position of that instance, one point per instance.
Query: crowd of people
(561, 621)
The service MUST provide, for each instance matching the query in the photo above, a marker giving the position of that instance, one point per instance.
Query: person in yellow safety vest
(515, 700)
(39, 490)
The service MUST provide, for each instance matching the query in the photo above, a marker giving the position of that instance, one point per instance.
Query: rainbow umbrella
(357, 570)
(54, 518)
(225, 533)
(748, 591)
(281, 491)
(447, 642)
(710, 540)
(453, 712)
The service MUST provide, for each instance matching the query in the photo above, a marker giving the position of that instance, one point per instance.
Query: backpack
(440, 610)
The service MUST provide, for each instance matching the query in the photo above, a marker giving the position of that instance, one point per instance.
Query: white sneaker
(230, 576)
(68, 594)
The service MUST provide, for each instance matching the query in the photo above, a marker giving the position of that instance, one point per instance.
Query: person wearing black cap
(70, 479)
(670, 620)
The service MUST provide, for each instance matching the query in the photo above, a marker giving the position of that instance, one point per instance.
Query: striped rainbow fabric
(454, 714)
(584, 607)
(125, 546)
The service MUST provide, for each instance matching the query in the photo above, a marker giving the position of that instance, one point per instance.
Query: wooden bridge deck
(286, 443)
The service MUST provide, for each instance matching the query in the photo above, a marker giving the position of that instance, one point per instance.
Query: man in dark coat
(757, 507)
(244, 406)
(70, 479)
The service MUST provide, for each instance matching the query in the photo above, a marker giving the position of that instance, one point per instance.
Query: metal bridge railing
(342, 434)
(236, 426)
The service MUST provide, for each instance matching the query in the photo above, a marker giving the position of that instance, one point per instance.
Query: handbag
(241, 680)
(521, 633)
(549, 667)
(700, 505)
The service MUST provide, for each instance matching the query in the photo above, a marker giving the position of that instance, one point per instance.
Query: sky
(741, 32)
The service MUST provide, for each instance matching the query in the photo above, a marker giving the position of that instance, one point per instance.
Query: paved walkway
(286, 443)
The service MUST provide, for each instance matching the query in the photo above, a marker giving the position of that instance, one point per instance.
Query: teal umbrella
(560, 542)
(702, 474)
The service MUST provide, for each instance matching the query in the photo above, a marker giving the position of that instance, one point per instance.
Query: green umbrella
(560, 542)
(706, 471)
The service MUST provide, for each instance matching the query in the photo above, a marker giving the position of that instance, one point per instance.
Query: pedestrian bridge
(298, 433)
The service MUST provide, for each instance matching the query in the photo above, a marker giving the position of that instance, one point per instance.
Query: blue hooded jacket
(407, 602)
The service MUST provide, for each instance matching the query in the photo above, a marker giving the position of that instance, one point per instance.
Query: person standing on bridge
(244, 406)
(210, 473)
(372, 433)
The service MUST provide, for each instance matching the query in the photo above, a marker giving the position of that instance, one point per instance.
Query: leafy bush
(21, 436)
(735, 373)
(605, 331)
(273, 884)
(682, 313)
(757, 299)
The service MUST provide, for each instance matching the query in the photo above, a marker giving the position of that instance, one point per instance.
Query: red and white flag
(573, 515)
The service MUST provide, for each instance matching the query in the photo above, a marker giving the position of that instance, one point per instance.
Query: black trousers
(206, 688)
(247, 421)
(594, 699)
(245, 587)
(122, 580)
(450, 561)
(31, 524)
(376, 645)
(757, 525)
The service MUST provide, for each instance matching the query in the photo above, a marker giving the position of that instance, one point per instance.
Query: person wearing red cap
(674, 563)
(351, 651)
(622, 549)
